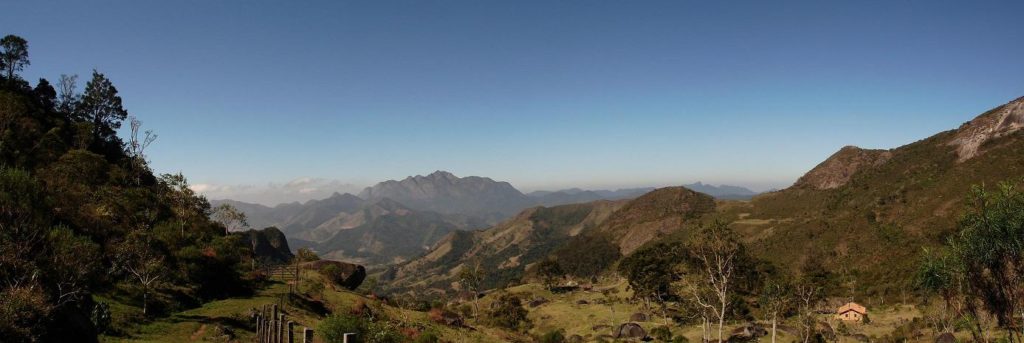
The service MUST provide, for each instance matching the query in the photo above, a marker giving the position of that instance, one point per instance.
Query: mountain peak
(998, 122)
(443, 192)
(840, 167)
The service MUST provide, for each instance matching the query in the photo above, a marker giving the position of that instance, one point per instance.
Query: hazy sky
(274, 101)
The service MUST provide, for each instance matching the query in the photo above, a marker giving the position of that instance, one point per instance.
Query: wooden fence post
(291, 338)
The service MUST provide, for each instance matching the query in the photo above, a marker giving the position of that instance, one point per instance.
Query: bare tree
(775, 299)
(67, 93)
(808, 294)
(139, 141)
(230, 217)
(717, 252)
(142, 263)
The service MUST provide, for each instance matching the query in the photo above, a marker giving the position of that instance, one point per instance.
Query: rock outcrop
(998, 122)
(269, 245)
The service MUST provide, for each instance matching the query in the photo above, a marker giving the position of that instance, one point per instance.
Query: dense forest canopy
(81, 213)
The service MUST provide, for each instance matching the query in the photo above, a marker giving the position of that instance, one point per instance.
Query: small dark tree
(549, 272)
(14, 56)
(102, 107)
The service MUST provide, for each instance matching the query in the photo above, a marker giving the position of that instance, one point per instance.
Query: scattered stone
(538, 301)
(582, 302)
(638, 317)
(575, 339)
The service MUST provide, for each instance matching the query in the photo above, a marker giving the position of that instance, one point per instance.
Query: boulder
(638, 317)
(630, 330)
(537, 302)
(946, 337)
(582, 302)
(268, 245)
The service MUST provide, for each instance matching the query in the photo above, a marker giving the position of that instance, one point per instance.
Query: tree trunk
(145, 301)
(721, 321)
(774, 321)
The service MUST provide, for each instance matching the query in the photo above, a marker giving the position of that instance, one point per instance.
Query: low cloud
(301, 190)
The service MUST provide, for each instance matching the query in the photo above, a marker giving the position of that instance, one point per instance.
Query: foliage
(553, 336)
(306, 255)
(81, 214)
(587, 255)
(508, 312)
(549, 272)
(650, 271)
(662, 333)
(984, 262)
(14, 56)
(333, 329)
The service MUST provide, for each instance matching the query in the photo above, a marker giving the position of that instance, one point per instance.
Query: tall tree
(717, 253)
(470, 278)
(102, 107)
(142, 262)
(14, 56)
(984, 262)
(775, 300)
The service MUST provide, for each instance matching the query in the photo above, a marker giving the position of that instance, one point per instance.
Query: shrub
(427, 337)
(508, 312)
(680, 339)
(554, 336)
(662, 333)
(333, 328)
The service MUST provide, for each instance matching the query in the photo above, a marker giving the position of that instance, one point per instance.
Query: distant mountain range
(396, 220)
(445, 193)
(866, 213)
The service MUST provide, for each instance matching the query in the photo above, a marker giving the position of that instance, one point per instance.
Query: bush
(509, 313)
(333, 328)
(680, 339)
(662, 333)
(427, 337)
(554, 336)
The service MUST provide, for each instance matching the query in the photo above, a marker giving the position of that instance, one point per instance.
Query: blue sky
(247, 96)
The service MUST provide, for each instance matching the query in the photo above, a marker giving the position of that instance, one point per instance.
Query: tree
(549, 272)
(137, 257)
(717, 253)
(984, 262)
(230, 217)
(470, 278)
(101, 106)
(508, 312)
(67, 94)
(14, 56)
(775, 300)
(650, 271)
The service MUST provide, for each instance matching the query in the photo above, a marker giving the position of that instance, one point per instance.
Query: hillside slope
(505, 250)
(869, 213)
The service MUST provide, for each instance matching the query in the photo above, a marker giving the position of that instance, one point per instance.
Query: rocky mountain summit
(838, 168)
(446, 193)
(998, 122)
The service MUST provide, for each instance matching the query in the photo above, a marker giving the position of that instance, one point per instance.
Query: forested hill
(83, 215)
